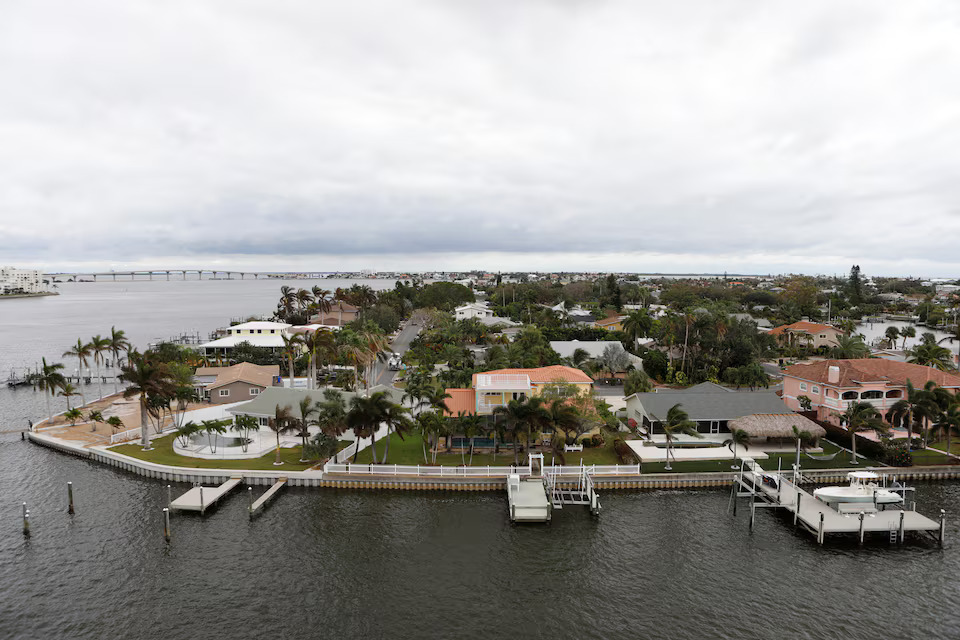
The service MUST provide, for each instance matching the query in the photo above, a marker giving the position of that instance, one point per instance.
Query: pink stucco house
(832, 384)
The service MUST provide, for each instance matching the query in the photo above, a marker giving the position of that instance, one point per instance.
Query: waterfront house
(493, 389)
(832, 385)
(222, 385)
(711, 406)
(258, 333)
(811, 334)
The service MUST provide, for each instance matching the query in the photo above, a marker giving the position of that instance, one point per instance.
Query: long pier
(774, 489)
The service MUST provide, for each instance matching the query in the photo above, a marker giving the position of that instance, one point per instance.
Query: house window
(803, 386)
(823, 335)
(849, 395)
(896, 393)
(259, 330)
(872, 395)
(272, 331)
(224, 393)
(254, 391)
(814, 389)
(264, 422)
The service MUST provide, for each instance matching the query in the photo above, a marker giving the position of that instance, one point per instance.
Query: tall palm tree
(288, 301)
(564, 418)
(522, 418)
(892, 334)
(468, 425)
(281, 422)
(303, 298)
(243, 424)
(677, 422)
(931, 355)
(151, 380)
(861, 416)
(376, 344)
(98, 346)
(637, 322)
(738, 438)
(302, 424)
(397, 420)
(68, 391)
(82, 353)
(910, 411)
(291, 349)
(118, 342)
(908, 331)
(321, 300)
(332, 413)
(364, 418)
(50, 380)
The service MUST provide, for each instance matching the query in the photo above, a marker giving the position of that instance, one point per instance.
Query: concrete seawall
(318, 478)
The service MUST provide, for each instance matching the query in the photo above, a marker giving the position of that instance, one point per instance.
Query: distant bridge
(182, 274)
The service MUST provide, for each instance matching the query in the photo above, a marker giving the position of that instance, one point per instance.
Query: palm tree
(50, 379)
(564, 418)
(68, 391)
(911, 410)
(396, 418)
(931, 355)
(948, 423)
(321, 300)
(738, 438)
(637, 322)
(892, 334)
(332, 413)
(73, 415)
(280, 423)
(861, 416)
(99, 346)
(375, 345)
(521, 418)
(212, 428)
(302, 424)
(288, 300)
(291, 349)
(469, 426)
(82, 353)
(850, 347)
(243, 424)
(118, 342)
(186, 430)
(149, 379)
(115, 422)
(303, 298)
(364, 418)
(95, 417)
(907, 332)
(677, 422)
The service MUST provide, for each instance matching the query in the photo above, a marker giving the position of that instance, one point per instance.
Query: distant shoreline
(28, 295)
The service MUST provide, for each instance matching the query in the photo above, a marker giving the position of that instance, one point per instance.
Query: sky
(635, 135)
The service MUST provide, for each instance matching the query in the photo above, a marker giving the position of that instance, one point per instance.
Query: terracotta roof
(255, 374)
(854, 372)
(803, 327)
(546, 374)
(461, 400)
(610, 320)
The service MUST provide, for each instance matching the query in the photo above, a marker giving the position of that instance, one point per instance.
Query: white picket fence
(559, 471)
(424, 471)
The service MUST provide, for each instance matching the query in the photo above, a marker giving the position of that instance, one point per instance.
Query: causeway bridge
(182, 274)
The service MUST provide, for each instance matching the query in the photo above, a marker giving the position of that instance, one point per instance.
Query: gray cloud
(610, 135)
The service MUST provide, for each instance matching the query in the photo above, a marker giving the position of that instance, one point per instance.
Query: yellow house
(611, 323)
(493, 389)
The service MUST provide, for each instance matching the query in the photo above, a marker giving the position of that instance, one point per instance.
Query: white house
(473, 310)
(258, 333)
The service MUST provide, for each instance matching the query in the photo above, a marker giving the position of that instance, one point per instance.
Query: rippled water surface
(326, 563)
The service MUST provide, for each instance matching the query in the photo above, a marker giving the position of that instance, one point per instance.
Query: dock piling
(26, 521)
(70, 508)
(901, 526)
(820, 530)
(943, 525)
(796, 513)
(166, 524)
(861, 527)
(753, 510)
(250, 501)
(202, 508)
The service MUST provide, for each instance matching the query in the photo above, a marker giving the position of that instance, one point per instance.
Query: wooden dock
(201, 498)
(267, 496)
(821, 519)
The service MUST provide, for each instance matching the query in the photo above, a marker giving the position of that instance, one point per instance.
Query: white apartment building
(14, 280)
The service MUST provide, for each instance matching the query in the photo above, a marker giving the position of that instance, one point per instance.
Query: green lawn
(410, 451)
(942, 446)
(786, 461)
(163, 454)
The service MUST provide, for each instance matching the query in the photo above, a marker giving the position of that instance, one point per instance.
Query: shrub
(624, 453)
(597, 440)
(897, 455)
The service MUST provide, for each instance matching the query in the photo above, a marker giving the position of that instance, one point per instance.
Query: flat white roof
(257, 340)
(258, 324)
(503, 381)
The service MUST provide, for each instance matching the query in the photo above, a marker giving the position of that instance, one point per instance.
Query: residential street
(383, 375)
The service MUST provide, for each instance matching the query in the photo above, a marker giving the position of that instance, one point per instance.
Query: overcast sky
(713, 135)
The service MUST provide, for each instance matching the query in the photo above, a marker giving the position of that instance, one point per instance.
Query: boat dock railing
(425, 470)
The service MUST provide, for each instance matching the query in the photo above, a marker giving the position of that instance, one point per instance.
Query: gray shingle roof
(710, 405)
(265, 404)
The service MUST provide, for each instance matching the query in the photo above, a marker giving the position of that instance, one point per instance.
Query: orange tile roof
(461, 400)
(255, 374)
(803, 327)
(546, 374)
(856, 371)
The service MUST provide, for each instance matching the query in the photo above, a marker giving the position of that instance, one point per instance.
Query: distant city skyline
(710, 136)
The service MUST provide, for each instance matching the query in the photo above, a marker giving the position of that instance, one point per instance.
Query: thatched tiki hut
(778, 426)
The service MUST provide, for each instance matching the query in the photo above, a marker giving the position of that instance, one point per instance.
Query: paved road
(381, 374)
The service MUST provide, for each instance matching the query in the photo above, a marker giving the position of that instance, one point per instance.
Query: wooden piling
(70, 508)
(166, 524)
(26, 521)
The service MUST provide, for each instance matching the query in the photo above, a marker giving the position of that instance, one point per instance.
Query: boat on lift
(863, 487)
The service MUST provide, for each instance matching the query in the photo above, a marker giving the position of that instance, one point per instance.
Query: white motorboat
(863, 487)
